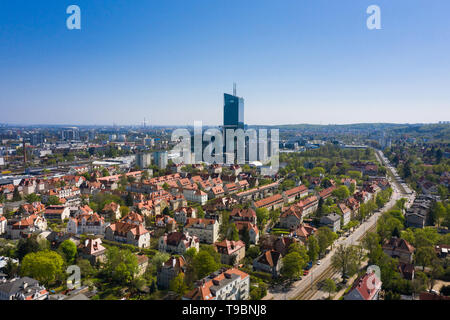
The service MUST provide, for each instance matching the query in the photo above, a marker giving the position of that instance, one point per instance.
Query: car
(305, 272)
(319, 262)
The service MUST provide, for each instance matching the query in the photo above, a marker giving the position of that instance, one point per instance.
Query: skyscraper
(233, 111)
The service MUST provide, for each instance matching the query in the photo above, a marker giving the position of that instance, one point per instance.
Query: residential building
(250, 227)
(129, 230)
(207, 230)
(295, 193)
(161, 159)
(333, 221)
(23, 227)
(346, 213)
(272, 203)
(195, 195)
(143, 160)
(178, 242)
(60, 213)
(366, 288)
(170, 270)
(231, 284)
(112, 210)
(93, 251)
(23, 289)
(182, 214)
(231, 252)
(87, 224)
(399, 248)
(270, 261)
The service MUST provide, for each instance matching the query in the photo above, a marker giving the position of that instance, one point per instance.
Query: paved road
(317, 270)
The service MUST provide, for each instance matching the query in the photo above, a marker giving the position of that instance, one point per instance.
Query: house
(326, 193)
(87, 224)
(295, 193)
(32, 208)
(346, 213)
(272, 203)
(183, 214)
(178, 242)
(353, 205)
(170, 270)
(280, 244)
(112, 210)
(308, 205)
(333, 221)
(251, 228)
(207, 230)
(142, 264)
(195, 195)
(129, 230)
(59, 213)
(29, 225)
(23, 289)
(93, 251)
(238, 214)
(231, 284)
(303, 232)
(216, 192)
(399, 248)
(166, 222)
(291, 218)
(231, 252)
(366, 288)
(270, 261)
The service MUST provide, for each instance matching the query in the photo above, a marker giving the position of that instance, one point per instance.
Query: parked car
(319, 262)
(305, 272)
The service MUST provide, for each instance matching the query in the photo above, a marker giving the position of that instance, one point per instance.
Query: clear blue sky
(294, 61)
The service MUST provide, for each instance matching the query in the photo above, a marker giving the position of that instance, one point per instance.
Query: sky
(170, 61)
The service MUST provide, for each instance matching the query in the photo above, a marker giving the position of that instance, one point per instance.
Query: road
(305, 289)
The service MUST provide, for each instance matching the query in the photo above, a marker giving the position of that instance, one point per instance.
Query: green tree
(178, 285)
(424, 256)
(53, 201)
(68, 250)
(313, 248)
(233, 233)
(204, 264)
(86, 268)
(341, 193)
(262, 214)
(292, 265)
(26, 246)
(159, 258)
(371, 243)
(32, 197)
(16, 195)
(329, 286)
(346, 260)
(129, 200)
(44, 266)
(246, 237)
(121, 265)
(325, 237)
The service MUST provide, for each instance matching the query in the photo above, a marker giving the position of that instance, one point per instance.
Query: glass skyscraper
(233, 112)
